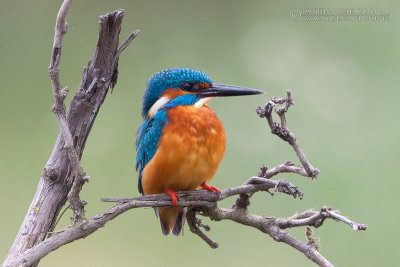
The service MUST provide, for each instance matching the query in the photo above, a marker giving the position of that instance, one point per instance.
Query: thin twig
(58, 108)
(283, 132)
(338, 217)
(194, 224)
(287, 167)
(126, 43)
(58, 220)
(316, 219)
(60, 30)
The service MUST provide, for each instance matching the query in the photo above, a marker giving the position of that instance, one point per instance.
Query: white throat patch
(156, 106)
(202, 102)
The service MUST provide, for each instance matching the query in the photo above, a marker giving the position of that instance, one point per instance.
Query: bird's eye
(187, 86)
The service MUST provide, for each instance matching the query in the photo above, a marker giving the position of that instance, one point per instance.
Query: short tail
(171, 220)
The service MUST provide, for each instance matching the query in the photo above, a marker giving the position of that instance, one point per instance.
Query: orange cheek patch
(172, 93)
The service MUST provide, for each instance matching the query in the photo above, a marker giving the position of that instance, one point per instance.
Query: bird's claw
(174, 197)
(211, 188)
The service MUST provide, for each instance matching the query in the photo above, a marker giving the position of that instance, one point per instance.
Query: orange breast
(191, 147)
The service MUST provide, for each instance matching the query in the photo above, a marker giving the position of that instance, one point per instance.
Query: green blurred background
(344, 78)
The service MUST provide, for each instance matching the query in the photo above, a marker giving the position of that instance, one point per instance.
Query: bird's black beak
(227, 90)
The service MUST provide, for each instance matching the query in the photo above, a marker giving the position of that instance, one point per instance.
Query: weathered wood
(206, 203)
(57, 179)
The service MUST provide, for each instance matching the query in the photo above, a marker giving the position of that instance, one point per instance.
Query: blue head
(179, 78)
(189, 81)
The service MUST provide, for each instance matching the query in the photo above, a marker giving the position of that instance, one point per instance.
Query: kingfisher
(181, 141)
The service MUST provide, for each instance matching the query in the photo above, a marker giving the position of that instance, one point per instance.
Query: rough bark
(204, 203)
(58, 176)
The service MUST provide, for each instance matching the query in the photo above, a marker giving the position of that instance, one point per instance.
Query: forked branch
(281, 130)
(201, 202)
(63, 177)
(59, 110)
(204, 203)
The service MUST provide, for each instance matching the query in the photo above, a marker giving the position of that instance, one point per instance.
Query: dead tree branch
(283, 132)
(204, 203)
(59, 110)
(63, 176)
(316, 219)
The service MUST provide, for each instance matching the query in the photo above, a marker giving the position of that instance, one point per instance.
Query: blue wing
(149, 133)
(147, 138)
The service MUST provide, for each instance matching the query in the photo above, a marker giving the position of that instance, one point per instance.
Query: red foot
(210, 188)
(174, 197)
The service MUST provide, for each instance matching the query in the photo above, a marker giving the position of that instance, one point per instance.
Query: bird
(181, 141)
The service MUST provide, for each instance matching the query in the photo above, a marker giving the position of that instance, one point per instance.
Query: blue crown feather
(169, 78)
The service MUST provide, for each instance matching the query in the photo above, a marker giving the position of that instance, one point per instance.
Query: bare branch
(287, 167)
(202, 202)
(59, 110)
(77, 204)
(313, 219)
(268, 226)
(316, 219)
(195, 224)
(283, 132)
(60, 30)
(126, 43)
(252, 185)
(338, 217)
(62, 177)
(310, 239)
(200, 198)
